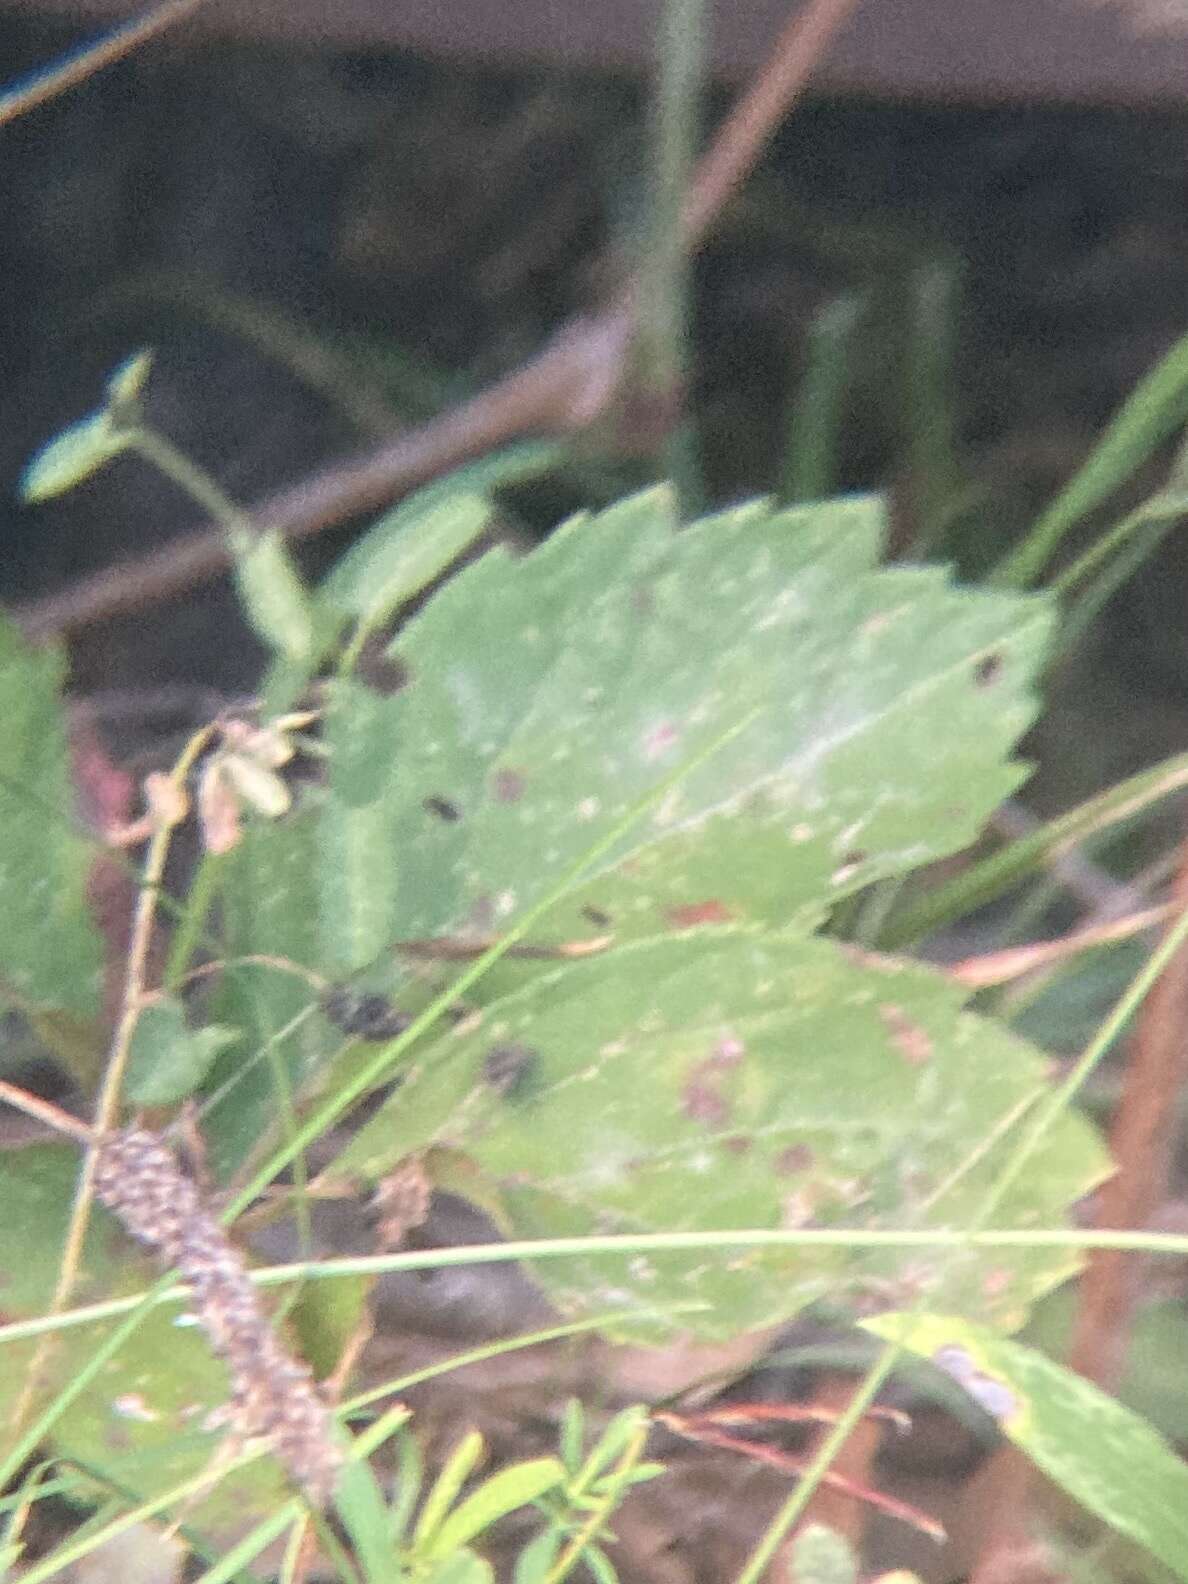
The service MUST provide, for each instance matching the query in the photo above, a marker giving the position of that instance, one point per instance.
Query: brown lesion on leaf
(702, 1101)
(796, 1158)
(401, 1202)
(688, 915)
(913, 1042)
(507, 786)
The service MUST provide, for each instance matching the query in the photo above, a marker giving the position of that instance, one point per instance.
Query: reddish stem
(1142, 1141)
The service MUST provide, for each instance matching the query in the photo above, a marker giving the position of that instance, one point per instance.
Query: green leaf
(325, 1316)
(456, 1470)
(1101, 1453)
(600, 1565)
(168, 1060)
(460, 1567)
(402, 554)
(724, 1080)
(360, 1504)
(512, 1487)
(821, 1556)
(71, 457)
(275, 600)
(535, 1561)
(50, 951)
(270, 906)
(1155, 409)
(614, 1440)
(412, 544)
(548, 696)
(1154, 1384)
(126, 385)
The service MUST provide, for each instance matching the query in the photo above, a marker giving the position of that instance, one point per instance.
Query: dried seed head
(273, 1394)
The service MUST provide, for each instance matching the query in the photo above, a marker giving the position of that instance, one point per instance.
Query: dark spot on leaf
(689, 914)
(796, 1158)
(381, 672)
(507, 786)
(597, 916)
(737, 1144)
(854, 857)
(701, 1102)
(442, 808)
(506, 1068)
(363, 1014)
(988, 670)
(910, 1040)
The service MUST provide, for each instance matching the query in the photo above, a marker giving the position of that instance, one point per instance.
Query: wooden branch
(1143, 1140)
(564, 388)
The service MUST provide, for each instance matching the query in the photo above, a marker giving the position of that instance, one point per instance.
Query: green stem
(794, 1507)
(1014, 863)
(191, 927)
(1062, 1097)
(1170, 1244)
(197, 484)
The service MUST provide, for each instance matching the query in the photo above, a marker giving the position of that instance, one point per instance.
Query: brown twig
(565, 387)
(746, 131)
(51, 1116)
(994, 968)
(1000, 1495)
(108, 1099)
(1142, 1141)
(77, 67)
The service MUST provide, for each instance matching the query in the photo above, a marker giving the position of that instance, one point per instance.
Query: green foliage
(692, 1083)
(169, 1060)
(50, 952)
(547, 697)
(678, 752)
(747, 721)
(1101, 1453)
(72, 457)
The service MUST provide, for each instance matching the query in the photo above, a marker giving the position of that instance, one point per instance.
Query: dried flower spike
(273, 1395)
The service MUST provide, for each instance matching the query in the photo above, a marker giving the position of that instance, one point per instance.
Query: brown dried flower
(273, 1394)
